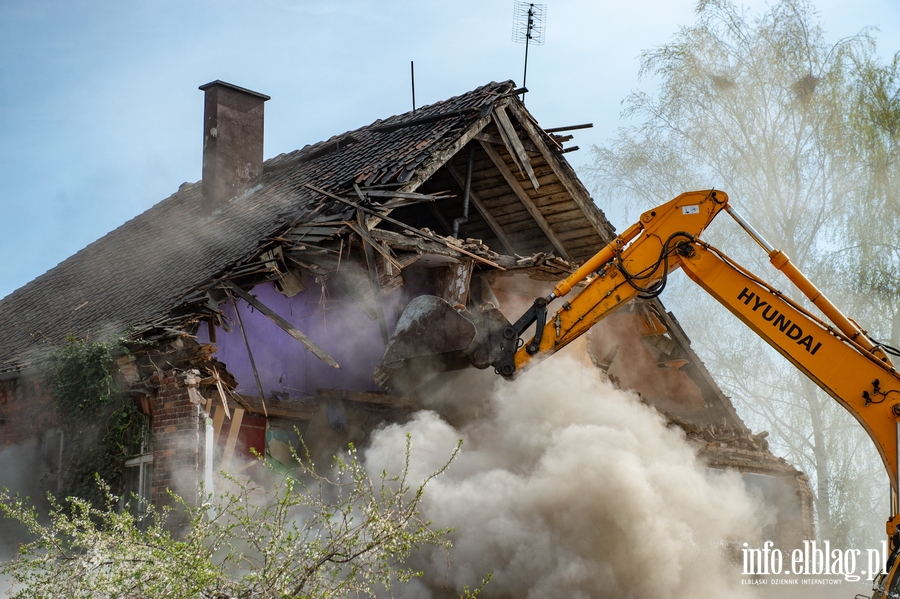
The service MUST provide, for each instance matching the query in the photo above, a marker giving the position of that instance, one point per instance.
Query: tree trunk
(820, 455)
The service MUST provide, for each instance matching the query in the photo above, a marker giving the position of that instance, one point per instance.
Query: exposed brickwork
(26, 410)
(178, 425)
(728, 445)
(758, 460)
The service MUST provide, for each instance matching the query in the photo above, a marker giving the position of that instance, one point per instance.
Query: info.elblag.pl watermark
(814, 563)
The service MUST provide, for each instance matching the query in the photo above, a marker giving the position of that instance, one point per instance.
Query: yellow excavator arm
(834, 352)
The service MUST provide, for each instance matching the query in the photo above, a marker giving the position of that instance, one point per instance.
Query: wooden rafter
(514, 144)
(406, 227)
(498, 141)
(368, 244)
(284, 324)
(526, 200)
(573, 187)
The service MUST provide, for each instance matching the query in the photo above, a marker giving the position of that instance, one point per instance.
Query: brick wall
(791, 532)
(178, 443)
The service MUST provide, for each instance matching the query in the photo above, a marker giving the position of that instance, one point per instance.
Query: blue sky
(100, 115)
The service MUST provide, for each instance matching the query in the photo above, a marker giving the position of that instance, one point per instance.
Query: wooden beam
(378, 399)
(284, 324)
(569, 128)
(218, 419)
(361, 230)
(523, 197)
(483, 210)
(231, 441)
(373, 274)
(259, 387)
(498, 141)
(573, 186)
(290, 410)
(514, 144)
(402, 225)
(405, 195)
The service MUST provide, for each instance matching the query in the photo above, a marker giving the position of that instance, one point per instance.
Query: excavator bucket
(431, 335)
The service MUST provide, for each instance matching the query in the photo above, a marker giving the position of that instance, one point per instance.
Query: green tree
(872, 249)
(308, 536)
(759, 107)
(101, 427)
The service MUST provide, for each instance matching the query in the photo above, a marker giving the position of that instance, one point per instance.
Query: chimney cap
(236, 87)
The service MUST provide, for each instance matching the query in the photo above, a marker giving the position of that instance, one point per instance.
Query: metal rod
(750, 230)
(466, 193)
(412, 74)
(782, 262)
(527, 38)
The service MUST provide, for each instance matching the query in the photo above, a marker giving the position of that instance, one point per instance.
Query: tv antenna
(528, 28)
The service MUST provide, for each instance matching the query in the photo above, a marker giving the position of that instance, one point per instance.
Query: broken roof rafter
(407, 227)
(192, 253)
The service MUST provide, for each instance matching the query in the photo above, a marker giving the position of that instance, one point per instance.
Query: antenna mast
(528, 27)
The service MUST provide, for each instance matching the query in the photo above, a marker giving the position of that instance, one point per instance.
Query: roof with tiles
(136, 273)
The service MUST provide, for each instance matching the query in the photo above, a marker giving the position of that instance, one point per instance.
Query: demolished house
(265, 294)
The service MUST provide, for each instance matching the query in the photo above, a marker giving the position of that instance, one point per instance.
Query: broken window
(136, 487)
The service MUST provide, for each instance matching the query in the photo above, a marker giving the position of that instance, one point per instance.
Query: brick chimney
(232, 142)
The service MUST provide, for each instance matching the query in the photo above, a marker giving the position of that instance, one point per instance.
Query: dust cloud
(566, 487)
(21, 471)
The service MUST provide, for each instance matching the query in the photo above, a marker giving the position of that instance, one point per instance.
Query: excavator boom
(833, 352)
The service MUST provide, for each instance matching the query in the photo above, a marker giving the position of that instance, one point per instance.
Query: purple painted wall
(331, 319)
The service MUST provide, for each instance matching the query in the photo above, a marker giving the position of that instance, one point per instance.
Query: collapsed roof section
(137, 275)
(473, 177)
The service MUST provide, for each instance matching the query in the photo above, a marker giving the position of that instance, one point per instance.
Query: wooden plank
(565, 216)
(549, 210)
(290, 410)
(572, 233)
(218, 419)
(526, 201)
(503, 205)
(514, 144)
(495, 227)
(569, 128)
(378, 399)
(240, 320)
(498, 141)
(231, 441)
(364, 234)
(284, 324)
(404, 194)
(556, 193)
(498, 191)
(522, 226)
(373, 274)
(402, 225)
(572, 184)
